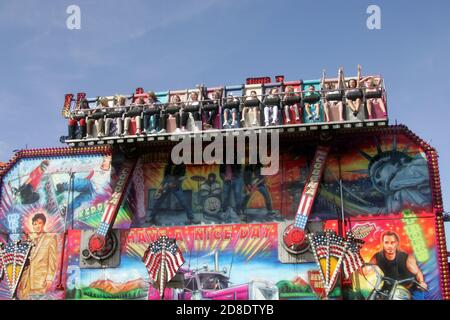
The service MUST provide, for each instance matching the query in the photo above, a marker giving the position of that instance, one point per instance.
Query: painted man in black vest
(397, 264)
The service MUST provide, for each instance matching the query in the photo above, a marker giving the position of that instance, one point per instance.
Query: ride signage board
(316, 283)
(259, 80)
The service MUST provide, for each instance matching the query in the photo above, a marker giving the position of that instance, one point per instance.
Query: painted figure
(395, 263)
(255, 181)
(173, 177)
(231, 175)
(28, 191)
(403, 180)
(38, 276)
(82, 186)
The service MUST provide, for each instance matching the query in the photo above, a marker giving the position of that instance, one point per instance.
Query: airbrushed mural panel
(61, 188)
(385, 184)
(222, 262)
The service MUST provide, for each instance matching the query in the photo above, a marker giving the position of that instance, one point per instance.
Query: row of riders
(151, 116)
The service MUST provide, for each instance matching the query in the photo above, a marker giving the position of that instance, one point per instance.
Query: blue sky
(164, 45)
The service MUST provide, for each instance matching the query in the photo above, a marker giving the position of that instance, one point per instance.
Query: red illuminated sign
(260, 80)
(279, 78)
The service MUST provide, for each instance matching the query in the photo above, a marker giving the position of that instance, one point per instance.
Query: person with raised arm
(332, 96)
(353, 93)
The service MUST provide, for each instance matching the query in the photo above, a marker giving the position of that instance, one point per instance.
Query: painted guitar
(253, 186)
(170, 183)
(294, 236)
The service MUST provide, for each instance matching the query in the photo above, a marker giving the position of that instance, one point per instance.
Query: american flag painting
(332, 252)
(352, 259)
(2, 272)
(162, 259)
(13, 258)
(328, 249)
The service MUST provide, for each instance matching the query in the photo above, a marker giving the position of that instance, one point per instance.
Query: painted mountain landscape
(108, 289)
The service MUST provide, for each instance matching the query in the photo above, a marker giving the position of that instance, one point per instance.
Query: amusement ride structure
(354, 210)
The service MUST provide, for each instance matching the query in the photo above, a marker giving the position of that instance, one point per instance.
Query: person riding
(230, 109)
(353, 93)
(271, 104)
(330, 89)
(211, 108)
(251, 104)
(97, 118)
(290, 100)
(135, 113)
(373, 88)
(172, 110)
(332, 96)
(78, 117)
(115, 114)
(151, 114)
(192, 109)
(312, 100)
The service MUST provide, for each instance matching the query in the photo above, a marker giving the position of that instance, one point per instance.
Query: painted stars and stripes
(352, 259)
(328, 244)
(333, 253)
(117, 196)
(311, 187)
(329, 248)
(163, 259)
(13, 257)
(103, 229)
(2, 272)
